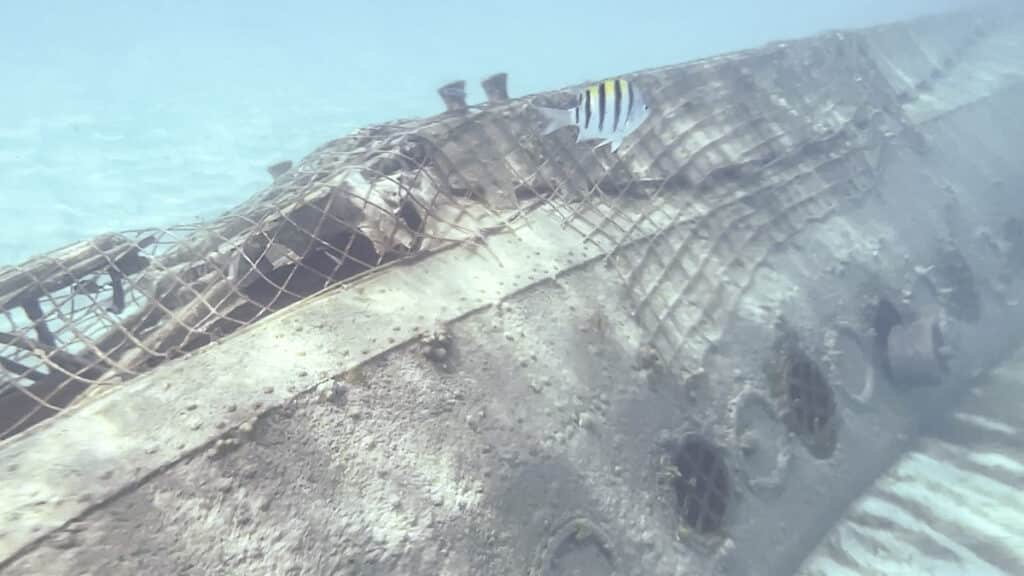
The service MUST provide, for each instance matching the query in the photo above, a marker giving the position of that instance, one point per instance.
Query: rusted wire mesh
(105, 310)
(740, 153)
(746, 151)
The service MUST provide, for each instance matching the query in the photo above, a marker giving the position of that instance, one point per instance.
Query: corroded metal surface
(952, 505)
(673, 359)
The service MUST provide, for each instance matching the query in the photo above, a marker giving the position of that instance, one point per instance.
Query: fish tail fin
(554, 118)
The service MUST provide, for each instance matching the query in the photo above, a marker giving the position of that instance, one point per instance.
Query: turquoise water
(126, 114)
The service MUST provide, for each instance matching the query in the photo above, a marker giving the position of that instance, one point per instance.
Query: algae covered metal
(456, 345)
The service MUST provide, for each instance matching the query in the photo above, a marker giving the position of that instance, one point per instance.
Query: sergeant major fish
(607, 111)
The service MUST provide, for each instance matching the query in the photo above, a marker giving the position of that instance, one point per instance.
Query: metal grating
(740, 153)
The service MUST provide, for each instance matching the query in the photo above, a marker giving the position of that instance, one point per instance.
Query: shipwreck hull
(687, 358)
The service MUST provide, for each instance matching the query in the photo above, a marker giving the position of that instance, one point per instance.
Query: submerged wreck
(453, 346)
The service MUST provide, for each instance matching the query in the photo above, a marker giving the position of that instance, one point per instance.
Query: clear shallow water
(68, 177)
(129, 114)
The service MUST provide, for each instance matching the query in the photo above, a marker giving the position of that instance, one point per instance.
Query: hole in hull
(811, 404)
(886, 317)
(703, 486)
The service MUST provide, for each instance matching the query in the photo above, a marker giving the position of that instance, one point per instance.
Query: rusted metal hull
(676, 360)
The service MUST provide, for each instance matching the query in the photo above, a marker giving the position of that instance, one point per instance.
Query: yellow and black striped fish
(607, 111)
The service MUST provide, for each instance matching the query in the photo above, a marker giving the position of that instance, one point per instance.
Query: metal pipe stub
(454, 95)
(496, 87)
(276, 170)
(918, 353)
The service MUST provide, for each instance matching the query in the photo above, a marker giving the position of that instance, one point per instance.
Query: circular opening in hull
(579, 546)
(812, 405)
(702, 486)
